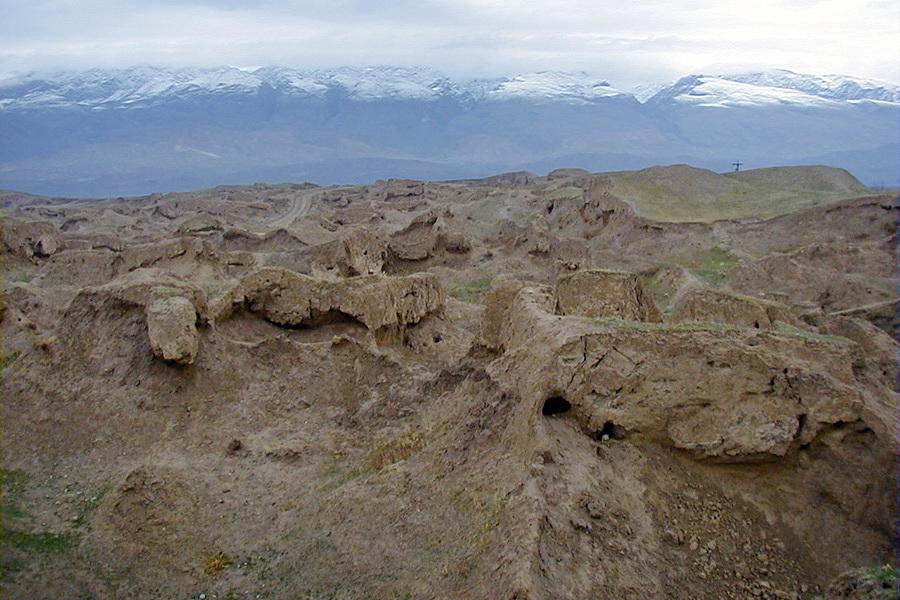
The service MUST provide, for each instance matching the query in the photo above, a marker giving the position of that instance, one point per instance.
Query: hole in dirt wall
(555, 405)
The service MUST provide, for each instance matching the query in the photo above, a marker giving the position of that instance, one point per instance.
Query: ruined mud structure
(515, 388)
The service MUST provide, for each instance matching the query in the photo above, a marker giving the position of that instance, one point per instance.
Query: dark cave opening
(555, 405)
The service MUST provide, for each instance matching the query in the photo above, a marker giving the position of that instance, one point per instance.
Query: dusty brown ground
(727, 401)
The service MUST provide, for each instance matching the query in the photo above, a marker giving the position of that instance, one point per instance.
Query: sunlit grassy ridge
(681, 193)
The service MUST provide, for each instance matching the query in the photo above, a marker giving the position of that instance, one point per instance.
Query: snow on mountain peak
(777, 87)
(550, 84)
(99, 88)
(374, 83)
(835, 87)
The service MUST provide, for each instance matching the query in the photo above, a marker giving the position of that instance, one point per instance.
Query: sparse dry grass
(387, 452)
(216, 563)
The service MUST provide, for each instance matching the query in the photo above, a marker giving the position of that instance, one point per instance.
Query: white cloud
(627, 43)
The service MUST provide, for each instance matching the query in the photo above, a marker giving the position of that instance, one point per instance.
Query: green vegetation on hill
(681, 193)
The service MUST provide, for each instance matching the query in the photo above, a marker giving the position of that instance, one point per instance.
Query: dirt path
(299, 207)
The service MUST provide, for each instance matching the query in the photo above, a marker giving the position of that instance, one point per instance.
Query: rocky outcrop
(883, 314)
(512, 179)
(171, 326)
(200, 224)
(605, 294)
(426, 235)
(360, 252)
(224, 408)
(291, 299)
(79, 267)
(31, 238)
(278, 240)
(396, 189)
(831, 289)
(566, 174)
(168, 309)
(729, 394)
(183, 254)
(878, 350)
(493, 326)
(364, 253)
(696, 303)
(143, 287)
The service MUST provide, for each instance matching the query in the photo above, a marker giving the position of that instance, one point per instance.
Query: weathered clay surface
(171, 326)
(288, 298)
(605, 294)
(699, 304)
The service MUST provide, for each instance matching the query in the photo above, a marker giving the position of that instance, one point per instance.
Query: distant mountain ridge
(142, 86)
(144, 129)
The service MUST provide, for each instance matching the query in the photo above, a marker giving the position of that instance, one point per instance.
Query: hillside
(664, 384)
(683, 193)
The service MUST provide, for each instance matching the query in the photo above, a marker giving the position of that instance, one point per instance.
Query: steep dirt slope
(508, 388)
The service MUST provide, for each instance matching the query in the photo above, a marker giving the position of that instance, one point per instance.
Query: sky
(626, 43)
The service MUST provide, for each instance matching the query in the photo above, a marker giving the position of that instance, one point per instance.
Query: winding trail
(299, 207)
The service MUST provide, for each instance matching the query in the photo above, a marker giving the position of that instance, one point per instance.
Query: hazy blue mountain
(133, 131)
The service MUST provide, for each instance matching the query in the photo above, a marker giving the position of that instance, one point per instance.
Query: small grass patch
(13, 483)
(884, 574)
(214, 289)
(7, 360)
(564, 193)
(785, 329)
(662, 289)
(166, 291)
(473, 291)
(712, 264)
(90, 505)
(43, 543)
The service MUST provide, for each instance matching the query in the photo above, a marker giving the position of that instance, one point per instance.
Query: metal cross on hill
(737, 165)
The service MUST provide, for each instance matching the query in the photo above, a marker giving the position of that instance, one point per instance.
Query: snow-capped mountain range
(106, 132)
(146, 86)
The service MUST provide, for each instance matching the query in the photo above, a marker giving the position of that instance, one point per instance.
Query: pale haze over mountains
(142, 130)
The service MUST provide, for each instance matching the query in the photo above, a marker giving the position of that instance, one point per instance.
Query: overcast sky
(628, 43)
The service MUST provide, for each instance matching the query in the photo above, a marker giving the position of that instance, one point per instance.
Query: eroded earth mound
(520, 388)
